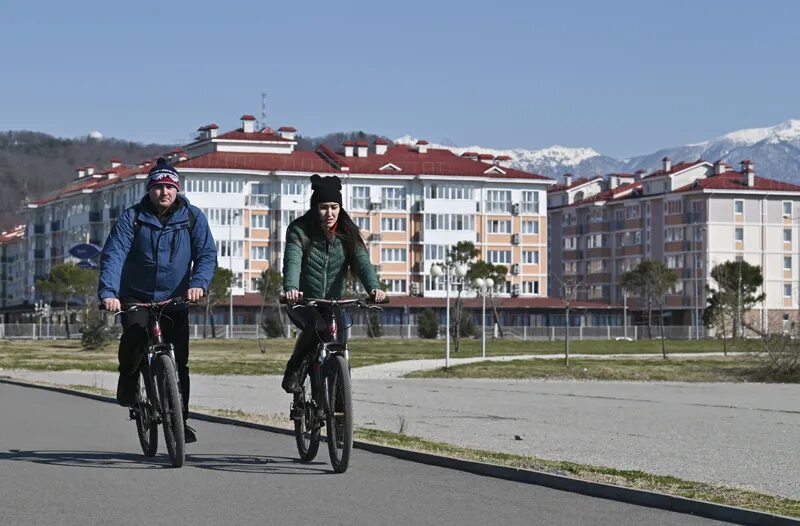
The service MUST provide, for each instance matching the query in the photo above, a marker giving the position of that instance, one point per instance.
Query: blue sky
(622, 77)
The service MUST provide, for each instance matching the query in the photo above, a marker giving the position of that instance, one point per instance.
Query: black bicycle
(325, 399)
(158, 396)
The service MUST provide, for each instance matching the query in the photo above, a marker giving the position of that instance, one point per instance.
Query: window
(223, 216)
(787, 290)
(675, 207)
(739, 234)
(393, 255)
(449, 222)
(395, 285)
(360, 198)
(530, 202)
(393, 198)
(362, 223)
(530, 287)
(530, 257)
(287, 216)
(436, 252)
(499, 227)
(738, 207)
(393, 224)
(293, 188)
(223, 249)
(787, 235)
(259, 221)
(787, 263)
(500, 256)
(530, 227)
(596, 241)
(438, 191)
(570, 243)
(632, 212)
(498, 201)
(258, 253)
(787, 209)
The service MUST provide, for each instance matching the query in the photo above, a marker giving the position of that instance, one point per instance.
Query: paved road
(740, 435)
(69, 460)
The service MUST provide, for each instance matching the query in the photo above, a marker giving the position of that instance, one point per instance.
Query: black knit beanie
(326, 190)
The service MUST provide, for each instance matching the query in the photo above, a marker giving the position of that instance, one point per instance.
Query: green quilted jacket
(322, 273)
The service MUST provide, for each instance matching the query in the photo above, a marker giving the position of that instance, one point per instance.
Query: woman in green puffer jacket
(321, 246)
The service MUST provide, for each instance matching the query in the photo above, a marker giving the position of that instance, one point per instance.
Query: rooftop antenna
(263, 111)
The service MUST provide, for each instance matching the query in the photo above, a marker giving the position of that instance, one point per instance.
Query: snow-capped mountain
(775, 151)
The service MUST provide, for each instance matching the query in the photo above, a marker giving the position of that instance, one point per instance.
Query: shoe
(189, 435)
(126, 390)
(291, 384)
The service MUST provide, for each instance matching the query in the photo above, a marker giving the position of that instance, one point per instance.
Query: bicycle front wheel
(339, 413)
(171, 410)
(145, 413)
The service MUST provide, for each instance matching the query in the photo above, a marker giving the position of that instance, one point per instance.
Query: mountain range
(775, 151)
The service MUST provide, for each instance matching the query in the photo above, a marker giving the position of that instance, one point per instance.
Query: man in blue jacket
(158, 249)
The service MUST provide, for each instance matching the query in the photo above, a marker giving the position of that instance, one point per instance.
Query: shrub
(427, 324)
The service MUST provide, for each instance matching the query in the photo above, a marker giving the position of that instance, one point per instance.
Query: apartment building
(691, 216)
(413, 203)
(12, 265)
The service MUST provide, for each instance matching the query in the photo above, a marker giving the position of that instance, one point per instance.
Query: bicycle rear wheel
(339, 413)
(145, 415)
(171, 409)
(306, 432)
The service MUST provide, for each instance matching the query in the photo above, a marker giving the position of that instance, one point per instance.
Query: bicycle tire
(171, 410)
(339, 413)
(307, 440)
(146, 422)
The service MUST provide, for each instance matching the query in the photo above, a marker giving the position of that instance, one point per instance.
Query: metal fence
(44, 331)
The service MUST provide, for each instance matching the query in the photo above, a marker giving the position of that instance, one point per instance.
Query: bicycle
(158, 397)
(325, 399)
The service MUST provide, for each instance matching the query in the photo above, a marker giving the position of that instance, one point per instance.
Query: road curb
(594, 489)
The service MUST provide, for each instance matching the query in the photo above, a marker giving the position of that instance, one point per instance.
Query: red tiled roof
(348, 143)
(628, 189)
(287, 129)
(675, 168)
(381, 141)
(469, 154)
(263, 135)
(575, 184)
(362, 143)
(503, 157)
(296, 161)
(732, 180)
(248, 118)
(423, 142)
(435, 162)
(208, 127)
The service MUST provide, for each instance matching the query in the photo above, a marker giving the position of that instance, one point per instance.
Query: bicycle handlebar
(130, 307)
(359, 302)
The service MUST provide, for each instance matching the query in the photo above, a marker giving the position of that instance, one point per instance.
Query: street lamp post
(484, 285)
(234, 214)
(698, 234)
(448, 270)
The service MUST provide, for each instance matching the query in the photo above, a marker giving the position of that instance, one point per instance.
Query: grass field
(731, 369)
(245, 357)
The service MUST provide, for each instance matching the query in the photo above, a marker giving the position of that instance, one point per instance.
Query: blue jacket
(162, 262)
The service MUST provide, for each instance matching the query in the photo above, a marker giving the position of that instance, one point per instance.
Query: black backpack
(137, 225)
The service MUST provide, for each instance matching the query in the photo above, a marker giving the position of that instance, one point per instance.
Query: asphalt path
(71, 460)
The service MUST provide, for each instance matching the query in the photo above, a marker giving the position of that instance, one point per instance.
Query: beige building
(691, 216)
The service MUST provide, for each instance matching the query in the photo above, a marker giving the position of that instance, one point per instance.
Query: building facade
(412, 203)
(691, 216)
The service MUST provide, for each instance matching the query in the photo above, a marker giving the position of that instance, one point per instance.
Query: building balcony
(599, 252)
(258, 201)
(603, 226)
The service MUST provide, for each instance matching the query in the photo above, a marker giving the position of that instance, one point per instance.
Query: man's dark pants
(175, 329)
